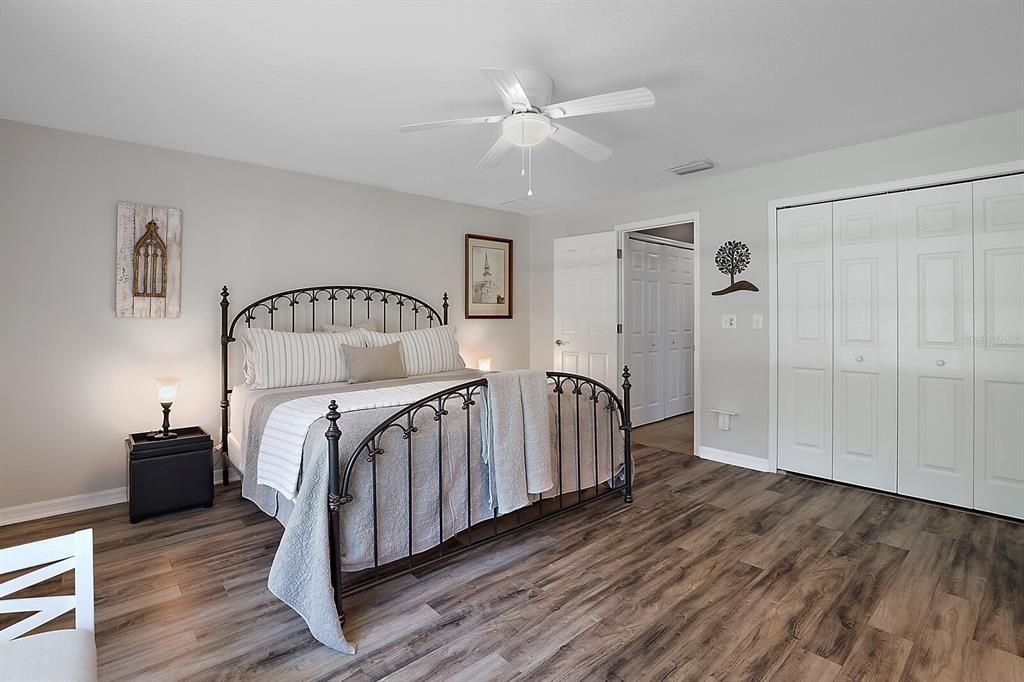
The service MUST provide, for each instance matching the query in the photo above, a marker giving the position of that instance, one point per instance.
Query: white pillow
(273, 359)
(369, 325)
(424, 351)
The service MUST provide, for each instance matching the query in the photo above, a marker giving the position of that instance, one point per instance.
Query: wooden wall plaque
(147, 282)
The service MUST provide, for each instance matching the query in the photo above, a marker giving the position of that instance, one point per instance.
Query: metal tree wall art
(733, 258)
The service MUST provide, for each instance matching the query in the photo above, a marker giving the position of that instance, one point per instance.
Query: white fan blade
(509, 87)
(581, 144)
(639, 98)
(494, 154)
(453, 122)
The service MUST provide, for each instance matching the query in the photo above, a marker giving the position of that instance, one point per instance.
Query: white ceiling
(322, 87)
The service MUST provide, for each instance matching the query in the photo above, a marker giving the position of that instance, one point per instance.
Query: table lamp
(166, 392)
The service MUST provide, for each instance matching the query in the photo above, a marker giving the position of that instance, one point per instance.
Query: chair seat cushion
(65, 655)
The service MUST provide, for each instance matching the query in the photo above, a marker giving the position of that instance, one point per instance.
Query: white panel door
(865, 342)
(586, 306)
(678, 322)
(999, 345)
(805, 339)
(645, 333)
(936, 358)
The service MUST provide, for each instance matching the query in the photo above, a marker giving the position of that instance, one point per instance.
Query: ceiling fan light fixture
(526, 129)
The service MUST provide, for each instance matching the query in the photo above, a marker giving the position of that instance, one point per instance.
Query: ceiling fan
(530, 118)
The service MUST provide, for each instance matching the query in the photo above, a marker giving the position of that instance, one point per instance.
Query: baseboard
(735, 458)
(66, 505)
(62, 505)
(218, 476)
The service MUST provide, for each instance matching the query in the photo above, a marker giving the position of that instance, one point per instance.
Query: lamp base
(165, 432)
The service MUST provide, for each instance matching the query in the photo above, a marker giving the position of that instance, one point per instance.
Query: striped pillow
(370, 325)
(424, 351)
(276, 359)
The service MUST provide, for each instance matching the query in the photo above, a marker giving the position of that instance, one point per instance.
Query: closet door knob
(940, 363)
(859, 358)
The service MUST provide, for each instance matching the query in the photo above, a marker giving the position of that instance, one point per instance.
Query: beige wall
(76, 379)
(735, 206)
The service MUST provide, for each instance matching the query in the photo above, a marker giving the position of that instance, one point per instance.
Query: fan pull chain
(529, 177)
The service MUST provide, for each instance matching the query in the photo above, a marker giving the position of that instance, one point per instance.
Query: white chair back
(53, 557)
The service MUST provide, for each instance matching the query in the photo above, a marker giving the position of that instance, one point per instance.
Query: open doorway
(658, 309)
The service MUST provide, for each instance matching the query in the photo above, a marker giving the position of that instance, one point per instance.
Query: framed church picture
(488, 277)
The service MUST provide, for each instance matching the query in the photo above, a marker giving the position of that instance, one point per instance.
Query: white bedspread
(280, 454)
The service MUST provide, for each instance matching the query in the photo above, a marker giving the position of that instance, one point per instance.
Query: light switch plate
(757, 321)
(728, 321)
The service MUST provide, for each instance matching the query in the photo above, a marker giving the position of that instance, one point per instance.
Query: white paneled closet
(805, 340)
(936, 359)
(865, 348)
(999, 346)
(901, 342)
(659, 334)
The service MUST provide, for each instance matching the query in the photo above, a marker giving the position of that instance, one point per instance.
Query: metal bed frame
(577, 390)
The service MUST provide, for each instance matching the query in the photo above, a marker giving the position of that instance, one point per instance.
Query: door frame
(621, 232)
(918, 182)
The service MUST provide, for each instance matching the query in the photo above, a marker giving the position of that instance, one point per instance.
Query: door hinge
(618, 253)
(618, 328)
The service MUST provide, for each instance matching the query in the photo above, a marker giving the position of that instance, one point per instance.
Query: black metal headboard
(344, 303)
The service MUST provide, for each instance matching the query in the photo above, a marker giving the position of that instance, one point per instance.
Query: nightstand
(168, 475)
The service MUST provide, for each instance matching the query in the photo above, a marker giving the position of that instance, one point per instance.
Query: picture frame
(488, 277)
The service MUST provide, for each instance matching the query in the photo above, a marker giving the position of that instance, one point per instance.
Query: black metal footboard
(576, 395)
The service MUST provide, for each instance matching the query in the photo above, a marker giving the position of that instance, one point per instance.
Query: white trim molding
(75, 503)
(736, 459)
(62, 505)
(233, 476)
(621, 235)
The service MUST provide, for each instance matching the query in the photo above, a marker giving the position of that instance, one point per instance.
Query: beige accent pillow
(431, 350)
(374, 364)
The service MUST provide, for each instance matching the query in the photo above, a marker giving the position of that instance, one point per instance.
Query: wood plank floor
(713, 573)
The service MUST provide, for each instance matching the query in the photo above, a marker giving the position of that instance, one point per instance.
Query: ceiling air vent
(693, 167)
(525, 205)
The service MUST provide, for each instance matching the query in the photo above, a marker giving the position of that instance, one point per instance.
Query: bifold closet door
(999, 345)
(865, 342)
(677, 308)
(688, 305)
(936, 357)
(645, 335)
(805, 339)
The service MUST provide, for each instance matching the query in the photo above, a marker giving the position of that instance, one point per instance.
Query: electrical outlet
(724, 419)
(728, 321)
(757, 321)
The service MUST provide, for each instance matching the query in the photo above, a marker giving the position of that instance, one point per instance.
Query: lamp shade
(167, 389)
(484, 364)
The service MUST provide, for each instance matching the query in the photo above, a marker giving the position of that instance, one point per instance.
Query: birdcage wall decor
(150, 265)
(148, 276)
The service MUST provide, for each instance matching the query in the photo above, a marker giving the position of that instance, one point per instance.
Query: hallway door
(585, 307)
